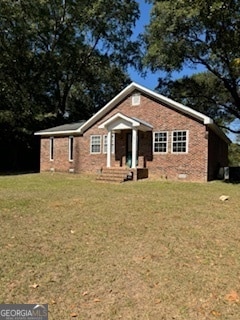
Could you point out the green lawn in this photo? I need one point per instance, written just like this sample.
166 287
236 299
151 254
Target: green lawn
137 250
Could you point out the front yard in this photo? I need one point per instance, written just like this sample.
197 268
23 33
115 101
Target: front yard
136 250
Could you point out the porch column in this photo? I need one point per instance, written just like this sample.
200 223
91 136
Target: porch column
134 147
109 145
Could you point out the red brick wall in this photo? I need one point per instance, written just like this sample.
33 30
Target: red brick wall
60 160
189 166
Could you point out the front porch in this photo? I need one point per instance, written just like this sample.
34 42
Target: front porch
132 146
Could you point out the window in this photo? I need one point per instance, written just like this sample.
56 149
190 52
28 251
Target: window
70 148
105 143
95 144
136 98
179 142
51 148
160 142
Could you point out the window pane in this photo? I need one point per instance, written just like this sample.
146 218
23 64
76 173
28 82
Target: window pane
95 148
179 143
51 148
95 144
160 142
105 143
70 148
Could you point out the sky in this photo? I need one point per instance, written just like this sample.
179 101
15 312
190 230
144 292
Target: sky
151 79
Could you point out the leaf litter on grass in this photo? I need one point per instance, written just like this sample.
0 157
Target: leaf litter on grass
166 250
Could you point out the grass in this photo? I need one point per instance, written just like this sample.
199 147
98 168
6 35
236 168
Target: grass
137 250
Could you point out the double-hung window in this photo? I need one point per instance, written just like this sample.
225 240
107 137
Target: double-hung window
95 144
51 148
179 141
70 148
160 142
105 143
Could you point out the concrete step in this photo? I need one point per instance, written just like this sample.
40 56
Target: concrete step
114 175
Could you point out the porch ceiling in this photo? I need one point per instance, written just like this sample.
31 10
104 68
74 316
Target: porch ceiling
120 121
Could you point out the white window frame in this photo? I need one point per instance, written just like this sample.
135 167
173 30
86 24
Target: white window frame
136 99
92 137
70 148
51 148
163 142
180 141
105 143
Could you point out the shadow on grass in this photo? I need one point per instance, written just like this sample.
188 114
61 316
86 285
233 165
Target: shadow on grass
17 173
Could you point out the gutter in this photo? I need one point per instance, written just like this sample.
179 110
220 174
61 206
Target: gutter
58 133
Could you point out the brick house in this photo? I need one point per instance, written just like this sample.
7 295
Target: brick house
142 132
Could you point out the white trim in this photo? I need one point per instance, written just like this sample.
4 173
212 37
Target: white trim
120 121
133 87
134 147
187 142
152 94
55 133
70 147
109 148
129 121
91 144
167 141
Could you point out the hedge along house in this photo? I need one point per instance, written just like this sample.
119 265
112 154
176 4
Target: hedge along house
142 131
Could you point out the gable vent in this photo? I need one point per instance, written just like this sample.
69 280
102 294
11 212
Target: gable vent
136 99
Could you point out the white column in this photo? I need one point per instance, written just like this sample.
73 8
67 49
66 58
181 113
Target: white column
109 145
134 148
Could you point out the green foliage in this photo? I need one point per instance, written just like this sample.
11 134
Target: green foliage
234 155
61 60
203 92
188 33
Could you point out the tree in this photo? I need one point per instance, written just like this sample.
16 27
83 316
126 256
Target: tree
203 92
60 61
234 155
191 33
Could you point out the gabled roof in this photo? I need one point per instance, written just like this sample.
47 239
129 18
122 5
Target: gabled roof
120 121
152 94
82 127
